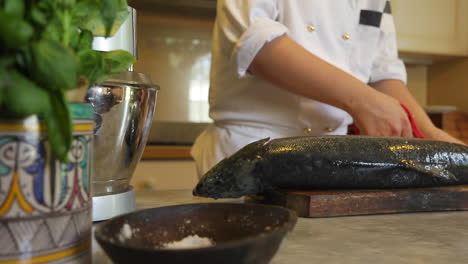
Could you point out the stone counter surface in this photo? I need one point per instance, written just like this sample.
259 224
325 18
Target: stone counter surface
427 238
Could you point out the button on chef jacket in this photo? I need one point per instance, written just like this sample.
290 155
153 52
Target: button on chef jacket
357 36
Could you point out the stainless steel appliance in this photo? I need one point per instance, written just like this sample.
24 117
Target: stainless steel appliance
124 106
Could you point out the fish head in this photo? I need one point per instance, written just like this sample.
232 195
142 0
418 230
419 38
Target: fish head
234 176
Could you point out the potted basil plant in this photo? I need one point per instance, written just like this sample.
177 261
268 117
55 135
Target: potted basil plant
46 140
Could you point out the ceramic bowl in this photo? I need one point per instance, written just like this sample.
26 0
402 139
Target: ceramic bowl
241 233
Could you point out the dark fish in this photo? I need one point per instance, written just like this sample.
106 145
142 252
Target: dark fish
336 162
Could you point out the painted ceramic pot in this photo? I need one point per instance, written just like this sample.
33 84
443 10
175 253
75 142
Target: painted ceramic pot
45 205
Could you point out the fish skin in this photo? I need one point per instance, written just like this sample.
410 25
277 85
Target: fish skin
336 162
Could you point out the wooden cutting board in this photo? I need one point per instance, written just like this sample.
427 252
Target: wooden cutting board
330 203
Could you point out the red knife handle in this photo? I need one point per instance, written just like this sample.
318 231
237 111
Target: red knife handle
416 132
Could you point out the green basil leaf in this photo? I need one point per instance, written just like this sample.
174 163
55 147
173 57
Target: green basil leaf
3 86
21 96
53 30
101 17
59 126
116 62
75 36
23 59
54 67
91 65
14 7
41 13
86 40
121 9
65 4
16 33
2 108
108 14
6 61
86 14
83 9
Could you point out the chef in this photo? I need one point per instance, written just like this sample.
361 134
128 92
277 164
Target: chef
283 68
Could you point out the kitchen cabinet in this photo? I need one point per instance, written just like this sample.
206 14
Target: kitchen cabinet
417 82
434 27
448 84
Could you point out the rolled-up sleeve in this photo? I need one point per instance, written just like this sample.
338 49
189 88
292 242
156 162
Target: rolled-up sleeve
387 64
247 26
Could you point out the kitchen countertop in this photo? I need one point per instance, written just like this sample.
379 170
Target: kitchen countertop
395 238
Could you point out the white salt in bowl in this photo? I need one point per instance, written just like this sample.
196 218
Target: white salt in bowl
197 233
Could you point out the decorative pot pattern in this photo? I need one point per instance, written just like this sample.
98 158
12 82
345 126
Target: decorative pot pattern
45 205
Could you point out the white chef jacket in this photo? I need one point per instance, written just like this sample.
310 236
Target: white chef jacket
357 36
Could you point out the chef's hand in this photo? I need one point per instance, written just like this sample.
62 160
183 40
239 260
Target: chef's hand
381 115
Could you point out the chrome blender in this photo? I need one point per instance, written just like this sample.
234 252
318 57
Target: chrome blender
124 106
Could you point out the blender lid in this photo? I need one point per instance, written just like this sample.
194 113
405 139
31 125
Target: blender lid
133 78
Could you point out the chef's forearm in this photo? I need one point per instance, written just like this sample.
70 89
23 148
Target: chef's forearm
288 65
